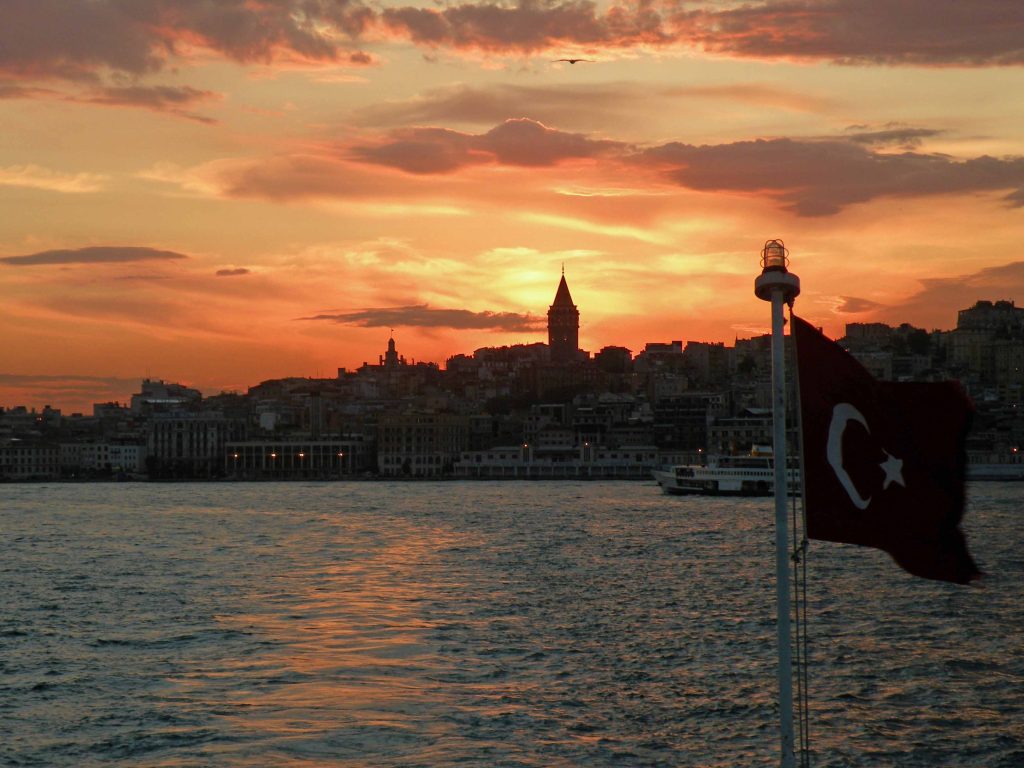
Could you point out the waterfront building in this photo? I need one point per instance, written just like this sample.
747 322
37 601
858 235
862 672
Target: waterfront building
296 459
29 460
420 444
102 458
190 444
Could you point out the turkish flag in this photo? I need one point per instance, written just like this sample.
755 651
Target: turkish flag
884 463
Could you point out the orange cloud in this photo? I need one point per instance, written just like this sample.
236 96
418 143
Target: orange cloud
519 142
937 303
821 177
578 104
80 390
285 178
854 305
37 177
809 177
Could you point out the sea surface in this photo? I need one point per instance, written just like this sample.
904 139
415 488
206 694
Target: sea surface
481 624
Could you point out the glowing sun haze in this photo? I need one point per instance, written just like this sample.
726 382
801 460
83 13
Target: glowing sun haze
223 192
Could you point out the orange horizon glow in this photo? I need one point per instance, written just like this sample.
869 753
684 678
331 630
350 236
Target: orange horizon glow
220 194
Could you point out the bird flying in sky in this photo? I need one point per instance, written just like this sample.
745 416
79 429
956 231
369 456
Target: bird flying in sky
573 61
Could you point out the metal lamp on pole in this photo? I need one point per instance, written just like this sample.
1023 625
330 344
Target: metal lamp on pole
780 286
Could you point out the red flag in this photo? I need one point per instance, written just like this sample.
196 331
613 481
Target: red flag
883 463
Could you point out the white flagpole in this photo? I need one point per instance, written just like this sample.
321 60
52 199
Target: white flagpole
777 285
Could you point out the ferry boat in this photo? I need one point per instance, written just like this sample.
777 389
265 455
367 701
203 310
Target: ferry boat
750 475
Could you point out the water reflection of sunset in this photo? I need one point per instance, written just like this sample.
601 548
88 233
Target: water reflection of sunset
350 637
440 624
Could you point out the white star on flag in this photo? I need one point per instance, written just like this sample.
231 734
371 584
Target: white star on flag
893 471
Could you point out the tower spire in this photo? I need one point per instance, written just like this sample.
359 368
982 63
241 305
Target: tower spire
563 325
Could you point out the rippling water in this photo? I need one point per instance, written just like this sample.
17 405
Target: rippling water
481 624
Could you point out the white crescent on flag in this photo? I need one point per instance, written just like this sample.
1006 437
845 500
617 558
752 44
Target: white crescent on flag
842 414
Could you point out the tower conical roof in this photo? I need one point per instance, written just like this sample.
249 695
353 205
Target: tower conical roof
562 297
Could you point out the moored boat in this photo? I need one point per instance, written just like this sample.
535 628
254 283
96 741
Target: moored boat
751 475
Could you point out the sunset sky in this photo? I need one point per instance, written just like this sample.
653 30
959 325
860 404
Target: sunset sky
218 192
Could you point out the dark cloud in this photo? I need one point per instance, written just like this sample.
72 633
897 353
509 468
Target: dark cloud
86 40
41 38
854 305
360 58
527 25
297 177
92 255
807 176
159 98
232 272
520 142
904 137
15 91
821 177
422 316
424 150
937 303
916 32
78 40
1016 198
20 389
69 380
